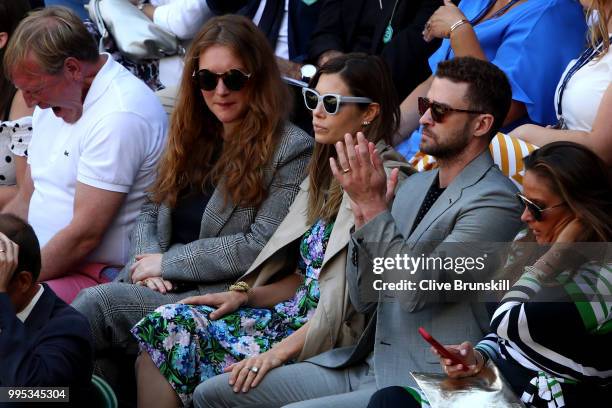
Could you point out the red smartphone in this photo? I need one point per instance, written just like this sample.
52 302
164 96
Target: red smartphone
441 349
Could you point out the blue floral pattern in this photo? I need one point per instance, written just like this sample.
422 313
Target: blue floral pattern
188 348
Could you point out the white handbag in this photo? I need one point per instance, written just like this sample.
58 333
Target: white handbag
136 37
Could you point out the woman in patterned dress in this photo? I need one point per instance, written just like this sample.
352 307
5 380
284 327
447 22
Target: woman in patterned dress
551 333
278 321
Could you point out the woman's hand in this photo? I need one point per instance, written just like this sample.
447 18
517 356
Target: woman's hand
440 22
248 373
157 284
464 351
225 302
146 266
359 170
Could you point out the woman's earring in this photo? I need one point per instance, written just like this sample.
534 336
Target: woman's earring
365 123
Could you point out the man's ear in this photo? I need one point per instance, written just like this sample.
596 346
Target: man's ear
482 124
22 281
73 68
3 39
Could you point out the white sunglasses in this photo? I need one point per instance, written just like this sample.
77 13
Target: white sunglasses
331 102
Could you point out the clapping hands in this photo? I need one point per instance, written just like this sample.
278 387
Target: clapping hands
360 172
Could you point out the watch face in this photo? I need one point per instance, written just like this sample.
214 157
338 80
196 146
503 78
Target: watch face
308 71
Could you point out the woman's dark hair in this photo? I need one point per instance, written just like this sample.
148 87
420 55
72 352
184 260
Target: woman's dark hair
582 180
11 13
22 234
366 76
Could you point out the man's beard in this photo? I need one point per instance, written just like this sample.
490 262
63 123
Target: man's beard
450 147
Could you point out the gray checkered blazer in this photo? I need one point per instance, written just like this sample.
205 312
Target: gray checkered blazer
231 237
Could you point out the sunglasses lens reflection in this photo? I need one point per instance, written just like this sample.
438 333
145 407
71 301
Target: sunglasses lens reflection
330 103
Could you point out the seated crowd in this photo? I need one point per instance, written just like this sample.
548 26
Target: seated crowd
226 254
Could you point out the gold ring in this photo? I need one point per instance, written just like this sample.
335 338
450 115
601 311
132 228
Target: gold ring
347 170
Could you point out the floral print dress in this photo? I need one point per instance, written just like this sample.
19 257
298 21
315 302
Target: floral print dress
188 348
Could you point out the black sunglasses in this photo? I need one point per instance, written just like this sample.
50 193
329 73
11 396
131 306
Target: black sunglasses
439 110
535 210
331 102
234 79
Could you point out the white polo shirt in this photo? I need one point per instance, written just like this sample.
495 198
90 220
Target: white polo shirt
114 146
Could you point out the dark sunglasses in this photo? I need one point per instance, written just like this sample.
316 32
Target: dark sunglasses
234 79
535 210
438 110
331 102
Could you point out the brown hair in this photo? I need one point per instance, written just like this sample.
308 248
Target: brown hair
488 87
582 180
365 76
599 31
195 138
51 34
11 13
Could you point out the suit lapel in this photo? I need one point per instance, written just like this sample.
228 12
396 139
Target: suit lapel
409 212
292 227
216 214
473 172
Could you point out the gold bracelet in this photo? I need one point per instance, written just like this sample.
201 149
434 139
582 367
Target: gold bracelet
457 25
240 287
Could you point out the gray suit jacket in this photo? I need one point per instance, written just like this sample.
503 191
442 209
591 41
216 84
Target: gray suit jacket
477 207
231 236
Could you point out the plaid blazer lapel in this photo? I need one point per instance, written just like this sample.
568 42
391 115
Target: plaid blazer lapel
216 214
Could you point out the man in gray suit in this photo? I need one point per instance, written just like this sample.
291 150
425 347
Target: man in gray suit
463 206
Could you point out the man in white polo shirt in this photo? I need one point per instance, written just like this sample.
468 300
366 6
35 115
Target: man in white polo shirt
98 134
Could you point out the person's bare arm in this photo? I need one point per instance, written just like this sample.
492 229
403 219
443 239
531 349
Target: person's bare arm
20 203
94 211
270 295
265 296
598 139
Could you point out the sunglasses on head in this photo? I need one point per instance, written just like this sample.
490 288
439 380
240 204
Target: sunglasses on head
234 79
439 110
331 102
534 209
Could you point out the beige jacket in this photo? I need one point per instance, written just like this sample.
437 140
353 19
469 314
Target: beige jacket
335 322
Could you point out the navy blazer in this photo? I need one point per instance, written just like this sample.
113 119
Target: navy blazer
53 347
302 20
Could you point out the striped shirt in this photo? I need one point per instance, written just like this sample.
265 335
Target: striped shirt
563 333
